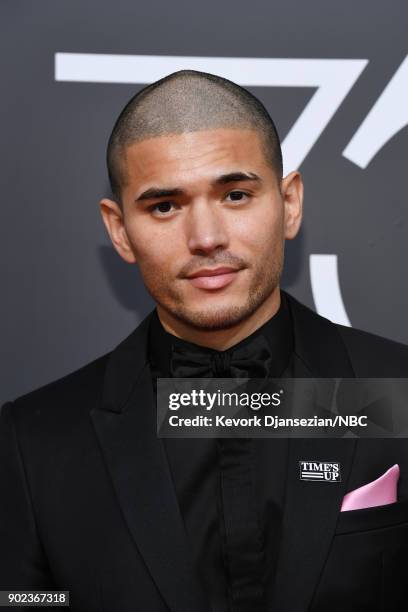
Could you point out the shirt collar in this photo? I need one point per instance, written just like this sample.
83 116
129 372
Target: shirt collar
277 331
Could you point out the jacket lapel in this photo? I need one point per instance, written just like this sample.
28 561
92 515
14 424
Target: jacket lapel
311 508
126 428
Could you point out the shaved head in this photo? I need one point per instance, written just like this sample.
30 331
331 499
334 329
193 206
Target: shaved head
188 101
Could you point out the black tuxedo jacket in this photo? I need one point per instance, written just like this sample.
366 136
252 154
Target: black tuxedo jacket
87 503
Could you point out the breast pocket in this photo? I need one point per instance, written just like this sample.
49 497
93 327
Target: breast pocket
366 519
364 567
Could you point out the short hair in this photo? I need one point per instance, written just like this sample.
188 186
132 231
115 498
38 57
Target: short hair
188 101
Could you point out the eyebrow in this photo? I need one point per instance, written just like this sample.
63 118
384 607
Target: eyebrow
223 179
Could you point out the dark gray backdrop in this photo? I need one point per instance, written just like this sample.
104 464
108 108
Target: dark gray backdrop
67 297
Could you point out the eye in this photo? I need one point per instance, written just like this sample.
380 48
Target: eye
162 209
238 196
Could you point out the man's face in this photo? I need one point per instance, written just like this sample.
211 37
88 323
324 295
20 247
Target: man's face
205 219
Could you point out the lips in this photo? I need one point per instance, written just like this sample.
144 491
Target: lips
215 278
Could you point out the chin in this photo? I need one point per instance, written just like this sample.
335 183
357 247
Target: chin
213 319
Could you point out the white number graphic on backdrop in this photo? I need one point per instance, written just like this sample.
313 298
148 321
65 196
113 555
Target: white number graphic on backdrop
386 118
332 78
324 278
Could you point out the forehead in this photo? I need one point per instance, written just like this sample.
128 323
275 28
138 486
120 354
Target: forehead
194 156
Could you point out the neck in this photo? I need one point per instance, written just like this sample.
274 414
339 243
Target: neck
222 339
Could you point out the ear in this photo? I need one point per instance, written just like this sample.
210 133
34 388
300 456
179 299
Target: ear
113 219
292 195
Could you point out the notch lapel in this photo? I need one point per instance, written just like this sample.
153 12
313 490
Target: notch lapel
311 508
126 428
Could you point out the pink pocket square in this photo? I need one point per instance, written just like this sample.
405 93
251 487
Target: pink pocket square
376 493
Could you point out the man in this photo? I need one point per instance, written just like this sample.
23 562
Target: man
95 503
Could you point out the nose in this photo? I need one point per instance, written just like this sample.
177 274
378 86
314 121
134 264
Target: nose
206 231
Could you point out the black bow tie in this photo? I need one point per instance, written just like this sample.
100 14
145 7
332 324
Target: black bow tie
253 360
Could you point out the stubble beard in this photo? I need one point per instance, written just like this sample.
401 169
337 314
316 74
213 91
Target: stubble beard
265 280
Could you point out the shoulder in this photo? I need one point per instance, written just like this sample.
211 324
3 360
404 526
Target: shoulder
70 399
373 355
77 392
370 355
